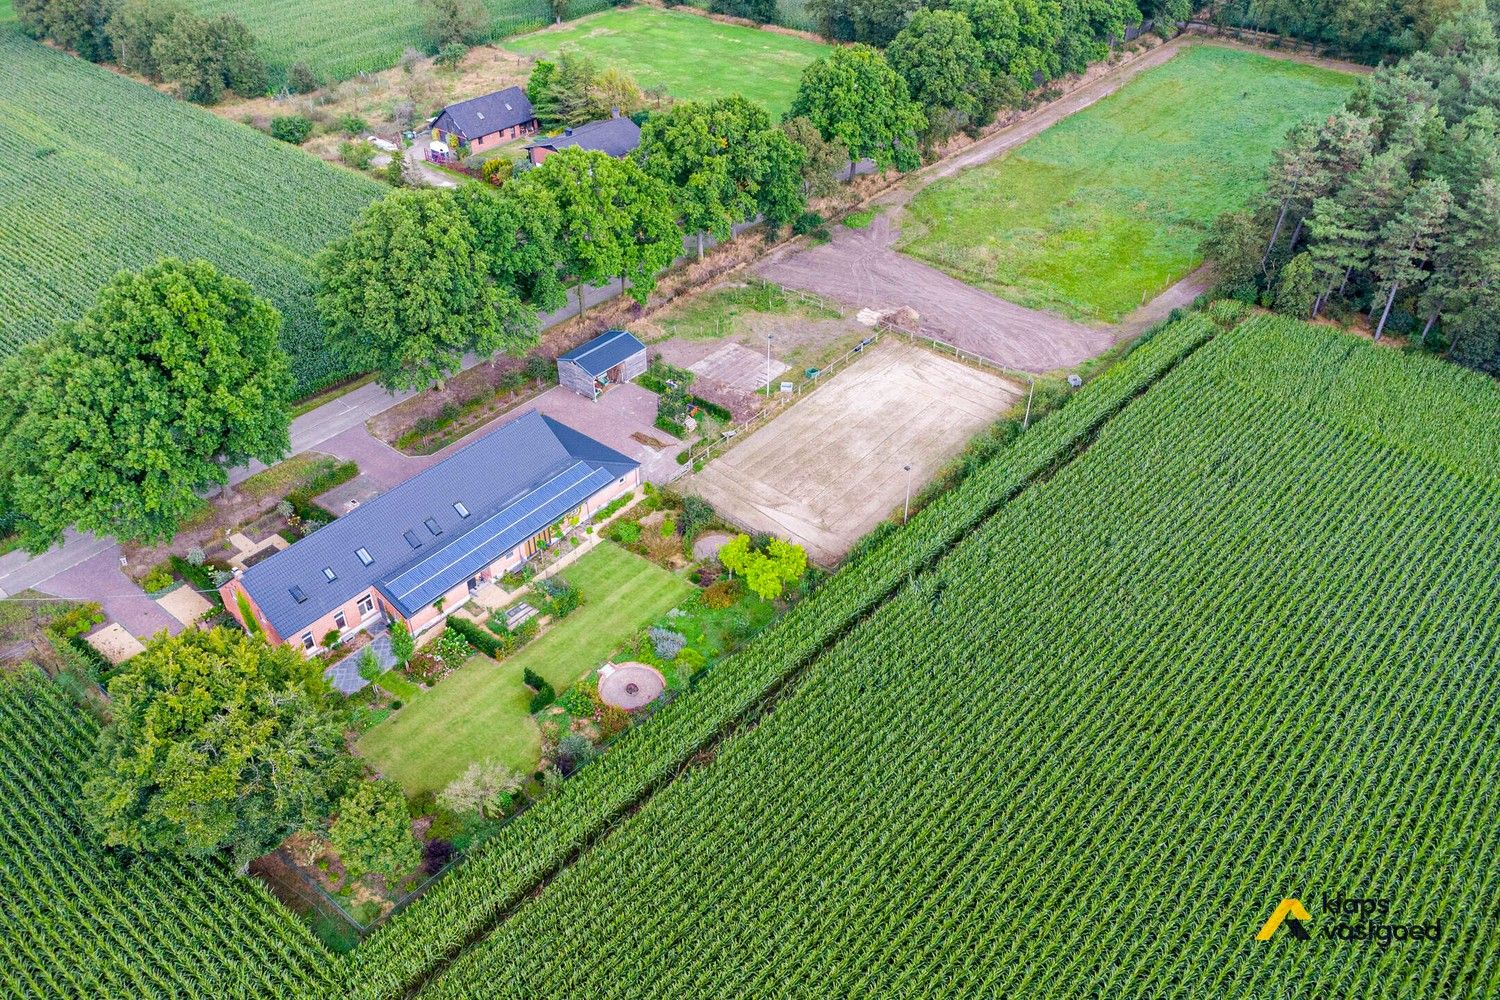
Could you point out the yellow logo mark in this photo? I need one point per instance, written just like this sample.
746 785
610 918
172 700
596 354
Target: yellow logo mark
1293 913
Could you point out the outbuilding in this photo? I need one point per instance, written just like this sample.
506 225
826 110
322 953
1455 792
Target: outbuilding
615 136
609 359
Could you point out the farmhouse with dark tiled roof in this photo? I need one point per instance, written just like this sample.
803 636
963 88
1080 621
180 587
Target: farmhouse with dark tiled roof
484 122
617 137
416 553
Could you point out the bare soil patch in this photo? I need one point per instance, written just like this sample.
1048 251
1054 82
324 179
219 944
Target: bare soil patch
833 465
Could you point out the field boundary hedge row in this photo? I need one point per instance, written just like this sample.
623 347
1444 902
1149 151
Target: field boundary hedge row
460 909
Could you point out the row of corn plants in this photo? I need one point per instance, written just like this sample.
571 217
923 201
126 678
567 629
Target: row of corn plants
103 174
81 921
1236 651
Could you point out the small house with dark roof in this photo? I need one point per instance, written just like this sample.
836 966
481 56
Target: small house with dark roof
417 552
609 359
617 137
485 122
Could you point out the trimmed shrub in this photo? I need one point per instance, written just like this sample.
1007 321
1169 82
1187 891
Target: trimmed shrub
543 697
626 533
477 637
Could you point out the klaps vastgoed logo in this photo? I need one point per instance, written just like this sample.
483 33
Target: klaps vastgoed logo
1348 919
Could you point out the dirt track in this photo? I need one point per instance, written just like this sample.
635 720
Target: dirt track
861 268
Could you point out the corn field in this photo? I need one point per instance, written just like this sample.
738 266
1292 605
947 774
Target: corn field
83 922
103 174
523 853
339 39
1243 647
1220 630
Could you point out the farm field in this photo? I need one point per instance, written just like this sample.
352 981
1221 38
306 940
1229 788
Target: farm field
1107 208
340 39
1241 648
482 710
82 923
104 174
799 478
691 56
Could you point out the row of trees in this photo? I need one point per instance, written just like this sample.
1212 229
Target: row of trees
1391 205
159 39
1031 40
427 276
1367 29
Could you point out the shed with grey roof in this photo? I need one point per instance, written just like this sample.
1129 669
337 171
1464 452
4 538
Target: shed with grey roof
612 358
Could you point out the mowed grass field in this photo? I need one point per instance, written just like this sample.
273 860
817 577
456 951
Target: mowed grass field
341 38
480 712
1107 208
691 56
1243 647
103 174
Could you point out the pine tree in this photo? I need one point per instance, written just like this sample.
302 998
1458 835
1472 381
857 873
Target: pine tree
1407 241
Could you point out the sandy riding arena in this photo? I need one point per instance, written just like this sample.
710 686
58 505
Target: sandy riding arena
832 466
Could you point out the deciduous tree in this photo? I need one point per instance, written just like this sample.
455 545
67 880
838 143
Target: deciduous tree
854 96
216 741
409 292
372 832
116 423
614 220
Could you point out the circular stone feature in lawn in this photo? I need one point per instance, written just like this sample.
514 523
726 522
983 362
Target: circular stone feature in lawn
630 685
709 544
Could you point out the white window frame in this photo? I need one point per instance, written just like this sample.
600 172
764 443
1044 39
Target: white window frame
366 605
339 621
308 642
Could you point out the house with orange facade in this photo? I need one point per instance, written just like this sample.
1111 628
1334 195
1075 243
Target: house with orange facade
418 552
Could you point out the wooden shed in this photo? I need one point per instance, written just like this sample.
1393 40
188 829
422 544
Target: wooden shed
609 359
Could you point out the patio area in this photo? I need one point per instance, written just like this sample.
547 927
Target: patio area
344 676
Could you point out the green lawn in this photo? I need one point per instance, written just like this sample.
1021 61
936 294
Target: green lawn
691 56
480 711
1107 208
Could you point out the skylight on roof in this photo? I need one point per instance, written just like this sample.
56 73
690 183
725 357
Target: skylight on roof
462 510
432 526
298 594
364 555
412 539
480 115
329 574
